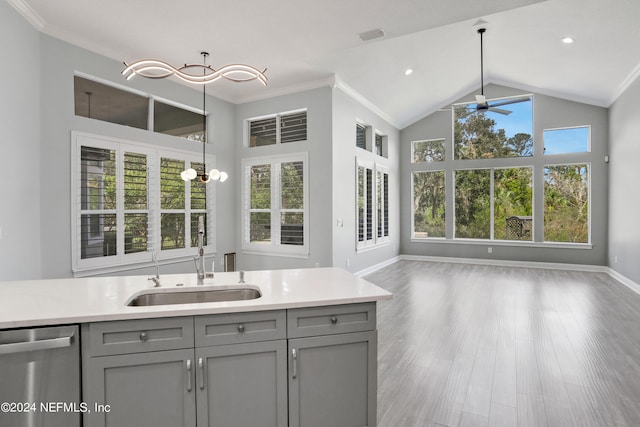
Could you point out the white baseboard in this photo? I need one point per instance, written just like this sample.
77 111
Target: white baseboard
505 263
624 280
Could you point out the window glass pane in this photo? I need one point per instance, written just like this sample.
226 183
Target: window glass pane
293 127
361 203
97 235
262 132
194 229
292 228
428 151
378 143
379 205
198 189
473 204
428 204
386 204
570 140
361 137
97 178
260 227
512 204
566 203
98 101
369 209
261 187
135 181
135 232
502 131
177 121
292 185
172 187
172 230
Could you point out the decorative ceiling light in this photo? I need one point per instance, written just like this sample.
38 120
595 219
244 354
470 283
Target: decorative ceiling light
155 69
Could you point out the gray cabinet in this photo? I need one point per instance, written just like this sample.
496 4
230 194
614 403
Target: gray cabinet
133 369
333 375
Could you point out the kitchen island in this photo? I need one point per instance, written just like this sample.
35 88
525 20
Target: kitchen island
303 353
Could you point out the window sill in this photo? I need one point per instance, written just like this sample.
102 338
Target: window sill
372 247
272 252
118 268
514 243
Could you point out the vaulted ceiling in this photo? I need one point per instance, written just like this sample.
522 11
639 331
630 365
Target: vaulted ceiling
307 43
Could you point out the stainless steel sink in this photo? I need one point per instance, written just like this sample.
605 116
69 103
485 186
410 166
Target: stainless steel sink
191 297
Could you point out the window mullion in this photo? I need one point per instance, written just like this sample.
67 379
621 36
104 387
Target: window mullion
276 193
119 202
491 204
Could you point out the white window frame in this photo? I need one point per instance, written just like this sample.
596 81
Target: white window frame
122 261
277 116
375 241
274 247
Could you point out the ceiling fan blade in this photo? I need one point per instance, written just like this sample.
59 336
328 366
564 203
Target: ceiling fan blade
510 101
500 111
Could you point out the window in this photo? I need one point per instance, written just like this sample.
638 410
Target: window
494 133
431 150
494 203
566 203
361 136
428 204
372 206
124 107
129 199
278 129
275 205
567 140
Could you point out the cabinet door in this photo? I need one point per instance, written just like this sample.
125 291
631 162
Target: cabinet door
242 385
333 380
143 390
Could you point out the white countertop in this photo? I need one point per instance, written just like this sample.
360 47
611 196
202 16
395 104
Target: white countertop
61 301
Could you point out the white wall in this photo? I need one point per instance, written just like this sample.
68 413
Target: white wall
346 113
624 195
548 113
19 147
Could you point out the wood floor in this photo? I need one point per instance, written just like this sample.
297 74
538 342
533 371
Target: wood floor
473 345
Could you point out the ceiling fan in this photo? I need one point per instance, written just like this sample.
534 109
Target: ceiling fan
481 101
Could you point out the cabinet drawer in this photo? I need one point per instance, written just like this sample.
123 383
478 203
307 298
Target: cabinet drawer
236 328
133 336
335 319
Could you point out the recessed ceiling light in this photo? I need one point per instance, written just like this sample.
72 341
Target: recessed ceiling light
408 71
567 40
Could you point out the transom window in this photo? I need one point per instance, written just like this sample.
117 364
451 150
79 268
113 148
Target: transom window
280 128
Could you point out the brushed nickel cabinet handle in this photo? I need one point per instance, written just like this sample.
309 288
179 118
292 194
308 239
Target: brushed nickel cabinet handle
189 385
201 372
334 320
241 328
144 336
294 357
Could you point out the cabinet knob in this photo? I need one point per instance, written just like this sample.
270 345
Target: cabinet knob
241 328
143 336
334 320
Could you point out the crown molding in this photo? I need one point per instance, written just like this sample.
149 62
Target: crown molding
628 81
356 96
28 13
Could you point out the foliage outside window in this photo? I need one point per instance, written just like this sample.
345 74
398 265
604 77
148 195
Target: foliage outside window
372 204
117 185
566 203
566 140
276 206
428 204
494 204
487 134
431 150
280 128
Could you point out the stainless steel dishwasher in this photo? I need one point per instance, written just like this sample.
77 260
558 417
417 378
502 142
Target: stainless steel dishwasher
40 377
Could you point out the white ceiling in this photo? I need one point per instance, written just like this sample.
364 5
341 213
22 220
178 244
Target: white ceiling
305 43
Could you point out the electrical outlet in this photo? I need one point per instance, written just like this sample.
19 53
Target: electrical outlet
490 250
615 259
317 265
348 262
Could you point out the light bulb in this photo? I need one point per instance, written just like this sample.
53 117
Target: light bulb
223 176
184 176
214 174
191 173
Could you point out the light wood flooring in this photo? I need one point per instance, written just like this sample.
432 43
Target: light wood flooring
474 345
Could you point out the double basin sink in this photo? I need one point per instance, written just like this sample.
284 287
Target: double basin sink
165 296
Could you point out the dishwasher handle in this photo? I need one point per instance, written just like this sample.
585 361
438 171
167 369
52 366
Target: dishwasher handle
48 344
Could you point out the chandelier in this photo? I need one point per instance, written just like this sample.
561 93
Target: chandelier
154 69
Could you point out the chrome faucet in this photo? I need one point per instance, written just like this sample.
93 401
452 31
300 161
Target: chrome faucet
156 279
199 259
